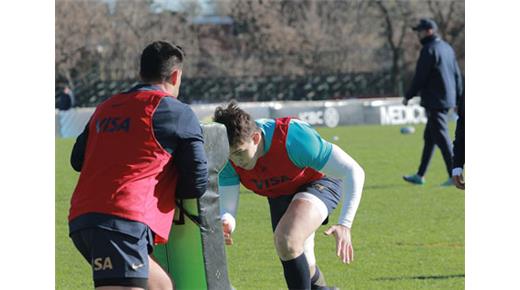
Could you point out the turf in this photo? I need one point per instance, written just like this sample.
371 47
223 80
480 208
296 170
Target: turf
404 236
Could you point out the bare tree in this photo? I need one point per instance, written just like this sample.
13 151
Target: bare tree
397 17
301 37
449 15
254 38
78 27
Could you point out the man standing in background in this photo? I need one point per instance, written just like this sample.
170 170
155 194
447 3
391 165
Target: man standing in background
439 82
66 100
64 104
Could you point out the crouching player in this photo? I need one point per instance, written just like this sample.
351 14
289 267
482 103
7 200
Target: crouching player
303 178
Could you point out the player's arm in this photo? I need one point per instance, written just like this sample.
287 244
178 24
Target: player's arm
341 165
78 151
229 188
423 69
309 149
344 167
178 130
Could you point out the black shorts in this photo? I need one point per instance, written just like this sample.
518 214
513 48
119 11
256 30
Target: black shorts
117 259
327 189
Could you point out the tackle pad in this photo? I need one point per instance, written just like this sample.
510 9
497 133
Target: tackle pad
195 256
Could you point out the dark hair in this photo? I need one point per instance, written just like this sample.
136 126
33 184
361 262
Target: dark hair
239 124
159 59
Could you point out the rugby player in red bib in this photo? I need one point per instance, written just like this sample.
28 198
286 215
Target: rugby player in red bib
303 178
140 150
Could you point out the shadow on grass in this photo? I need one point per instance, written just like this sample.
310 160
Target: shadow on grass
433 277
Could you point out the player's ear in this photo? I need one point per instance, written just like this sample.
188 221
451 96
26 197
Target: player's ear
257 136
176 76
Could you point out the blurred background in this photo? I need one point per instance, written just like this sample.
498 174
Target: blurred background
331 63
278 50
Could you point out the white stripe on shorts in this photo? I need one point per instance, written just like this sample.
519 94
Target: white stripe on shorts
318 203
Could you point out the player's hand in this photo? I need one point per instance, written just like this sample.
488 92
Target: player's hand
228 226
405 101
227 233
458 180
344 248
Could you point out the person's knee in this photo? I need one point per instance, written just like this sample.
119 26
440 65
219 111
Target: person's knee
287 246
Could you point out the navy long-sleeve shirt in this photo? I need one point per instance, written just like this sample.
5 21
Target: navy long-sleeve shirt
178 131
437 75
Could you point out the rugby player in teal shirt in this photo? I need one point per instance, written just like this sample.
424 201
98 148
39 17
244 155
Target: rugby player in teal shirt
303 177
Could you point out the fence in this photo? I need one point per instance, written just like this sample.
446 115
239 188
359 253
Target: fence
382 111
91 90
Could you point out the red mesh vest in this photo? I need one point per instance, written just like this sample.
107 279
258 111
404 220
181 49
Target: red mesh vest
274 173
125 171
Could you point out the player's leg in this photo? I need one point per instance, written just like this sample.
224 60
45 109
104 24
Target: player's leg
325 194
298 269
118 260
294 231
441 136
429 146
317 277
301 219
158 279
299 222
426 156
308 250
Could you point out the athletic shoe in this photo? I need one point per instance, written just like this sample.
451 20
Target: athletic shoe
414 179
325 288
448 182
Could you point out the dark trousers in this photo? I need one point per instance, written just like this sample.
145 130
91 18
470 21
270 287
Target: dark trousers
436 133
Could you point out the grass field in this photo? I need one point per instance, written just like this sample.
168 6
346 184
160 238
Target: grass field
404 236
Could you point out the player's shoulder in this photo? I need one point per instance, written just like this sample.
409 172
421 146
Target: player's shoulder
266 125
298 122
300 133
265 122
300 127
173 105
174 102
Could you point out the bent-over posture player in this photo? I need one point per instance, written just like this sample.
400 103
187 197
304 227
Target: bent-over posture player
303 178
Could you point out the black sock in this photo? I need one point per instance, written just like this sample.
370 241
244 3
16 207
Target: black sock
318 280
296 272
316 275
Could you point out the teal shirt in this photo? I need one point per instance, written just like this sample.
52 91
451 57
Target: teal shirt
304 145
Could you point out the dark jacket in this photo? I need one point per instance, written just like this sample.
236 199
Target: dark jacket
437 76
459 143
65 102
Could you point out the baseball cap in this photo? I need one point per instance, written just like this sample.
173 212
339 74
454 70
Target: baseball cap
425 24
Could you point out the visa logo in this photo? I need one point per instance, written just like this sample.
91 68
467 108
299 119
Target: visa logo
112 124
266 183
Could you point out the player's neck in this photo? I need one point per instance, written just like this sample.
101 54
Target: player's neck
261 146
165 87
